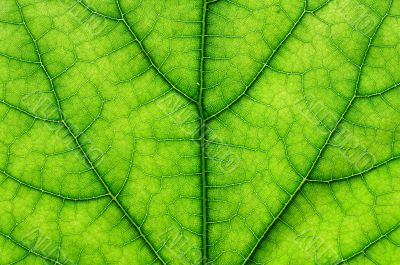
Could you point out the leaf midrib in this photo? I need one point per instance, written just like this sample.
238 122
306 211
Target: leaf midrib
203 128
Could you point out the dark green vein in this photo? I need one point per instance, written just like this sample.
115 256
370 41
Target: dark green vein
369 245
94 12
8 237
366 171
148 56
266 64
27 113
53 194
377 94
323 148
110 193
10 57
203 132
83 151
140 43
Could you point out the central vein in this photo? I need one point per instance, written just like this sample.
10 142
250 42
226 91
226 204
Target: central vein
203 137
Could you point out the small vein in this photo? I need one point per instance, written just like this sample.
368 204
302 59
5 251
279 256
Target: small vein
53 194
377 166
10 57
372 243
377 94
331 134
266 64
109 192
33 116
83 152
97 13
13 240
148 56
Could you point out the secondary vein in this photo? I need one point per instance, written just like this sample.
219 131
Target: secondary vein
323 148
80 146
149 58
267 62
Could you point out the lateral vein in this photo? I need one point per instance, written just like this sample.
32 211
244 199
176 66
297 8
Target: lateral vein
323 148
82 150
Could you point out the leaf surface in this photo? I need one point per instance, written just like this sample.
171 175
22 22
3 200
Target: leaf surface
200 132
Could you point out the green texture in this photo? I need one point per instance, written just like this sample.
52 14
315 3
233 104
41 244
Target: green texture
200 132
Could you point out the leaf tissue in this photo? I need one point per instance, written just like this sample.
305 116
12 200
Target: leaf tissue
211 132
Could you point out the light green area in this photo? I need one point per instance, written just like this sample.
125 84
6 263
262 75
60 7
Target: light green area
191 132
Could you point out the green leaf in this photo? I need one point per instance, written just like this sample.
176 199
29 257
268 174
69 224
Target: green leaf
200 132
